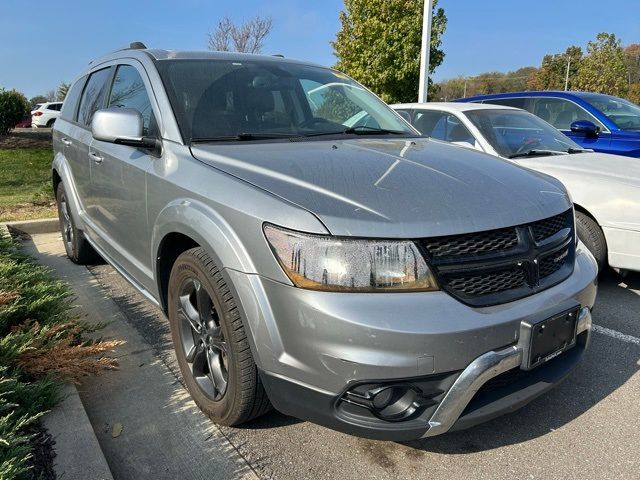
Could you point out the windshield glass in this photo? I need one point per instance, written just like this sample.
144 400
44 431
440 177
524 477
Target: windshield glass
514 132
249 100
623 113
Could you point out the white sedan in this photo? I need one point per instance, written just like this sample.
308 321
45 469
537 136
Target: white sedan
605 188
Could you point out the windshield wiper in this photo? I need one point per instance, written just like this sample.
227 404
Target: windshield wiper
534 153
579 150
242 136
358 130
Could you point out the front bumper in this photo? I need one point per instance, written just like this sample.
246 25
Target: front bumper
313 347
465 404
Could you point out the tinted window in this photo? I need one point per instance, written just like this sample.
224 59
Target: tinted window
218 99
128 91
508 102
425 122
93 96
442 126
70 104
52 107
561 113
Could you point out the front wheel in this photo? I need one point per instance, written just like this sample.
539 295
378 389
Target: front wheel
590 233
211 344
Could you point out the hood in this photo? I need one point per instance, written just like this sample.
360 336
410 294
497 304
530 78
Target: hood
598 166
373 187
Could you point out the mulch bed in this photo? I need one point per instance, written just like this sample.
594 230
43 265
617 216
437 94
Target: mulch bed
42 460
26 138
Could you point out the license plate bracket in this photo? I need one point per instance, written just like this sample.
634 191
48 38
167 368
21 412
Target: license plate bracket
551 337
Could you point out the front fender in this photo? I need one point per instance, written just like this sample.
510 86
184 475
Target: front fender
206 227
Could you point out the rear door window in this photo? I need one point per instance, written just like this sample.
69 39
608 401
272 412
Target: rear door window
93 97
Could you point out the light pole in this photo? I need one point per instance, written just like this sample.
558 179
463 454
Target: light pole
424 53
566 78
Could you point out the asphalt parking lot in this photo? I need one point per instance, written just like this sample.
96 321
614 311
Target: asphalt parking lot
588 427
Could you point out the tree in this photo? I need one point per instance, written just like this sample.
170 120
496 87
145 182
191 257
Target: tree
379 45
632 60
37 99
552 74
604 70
50 96
247 37
13 106
634 93
62 91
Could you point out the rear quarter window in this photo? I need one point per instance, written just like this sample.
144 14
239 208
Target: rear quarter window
70 105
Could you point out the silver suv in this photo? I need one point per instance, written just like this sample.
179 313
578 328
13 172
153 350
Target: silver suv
352 274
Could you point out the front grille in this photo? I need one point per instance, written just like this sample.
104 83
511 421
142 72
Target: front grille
484 284
546 228
472 244
498 266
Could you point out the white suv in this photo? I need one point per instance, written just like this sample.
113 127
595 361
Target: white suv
45 114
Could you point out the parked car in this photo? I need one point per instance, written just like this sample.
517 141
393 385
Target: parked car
25 122
605 188
600 122
45 114
363 278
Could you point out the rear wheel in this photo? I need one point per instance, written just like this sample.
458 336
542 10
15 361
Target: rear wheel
51 122
590 233
210 341
77 248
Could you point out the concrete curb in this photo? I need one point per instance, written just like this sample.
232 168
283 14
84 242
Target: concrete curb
78 453
34 227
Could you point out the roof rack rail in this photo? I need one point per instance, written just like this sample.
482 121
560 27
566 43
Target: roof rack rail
278 55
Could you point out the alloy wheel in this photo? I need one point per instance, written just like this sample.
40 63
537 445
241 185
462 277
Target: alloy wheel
202 339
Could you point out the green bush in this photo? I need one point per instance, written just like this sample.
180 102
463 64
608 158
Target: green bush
42 345
13 106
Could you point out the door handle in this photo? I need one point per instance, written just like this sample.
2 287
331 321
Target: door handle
96 157
65 141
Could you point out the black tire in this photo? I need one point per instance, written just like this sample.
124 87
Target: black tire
590 233
78 249
198 290
51 122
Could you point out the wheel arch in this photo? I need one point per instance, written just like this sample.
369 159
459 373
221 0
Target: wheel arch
186 224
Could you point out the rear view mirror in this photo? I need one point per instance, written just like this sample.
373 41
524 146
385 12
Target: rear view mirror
404 114
123 126
586 128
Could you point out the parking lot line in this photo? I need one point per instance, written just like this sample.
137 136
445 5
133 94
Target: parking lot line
617 335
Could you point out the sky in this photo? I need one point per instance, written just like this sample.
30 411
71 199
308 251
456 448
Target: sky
44 43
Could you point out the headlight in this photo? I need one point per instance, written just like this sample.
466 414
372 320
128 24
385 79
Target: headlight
326 263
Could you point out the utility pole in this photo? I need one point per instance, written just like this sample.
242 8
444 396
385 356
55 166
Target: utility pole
464 94
426 48
566 78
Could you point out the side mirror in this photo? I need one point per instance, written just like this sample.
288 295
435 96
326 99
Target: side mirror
586 128
122 126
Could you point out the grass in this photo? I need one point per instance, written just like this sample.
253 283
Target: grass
42 345
25 184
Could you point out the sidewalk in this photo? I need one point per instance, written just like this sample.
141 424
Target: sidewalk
164 434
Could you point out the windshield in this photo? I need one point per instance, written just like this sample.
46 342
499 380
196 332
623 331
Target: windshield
515 132
623 113
249 100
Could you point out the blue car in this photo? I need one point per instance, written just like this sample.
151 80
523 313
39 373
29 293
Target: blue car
600 122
